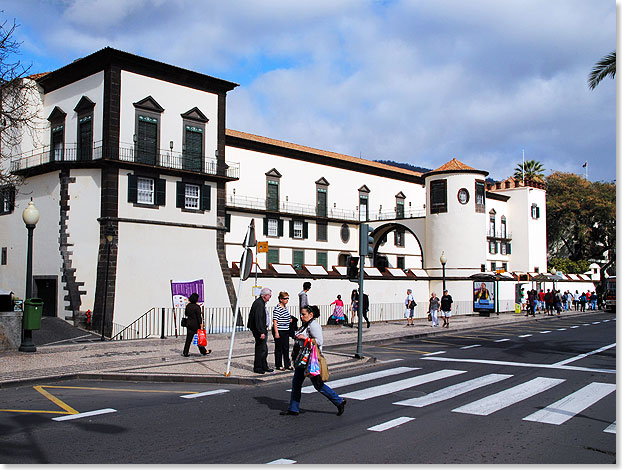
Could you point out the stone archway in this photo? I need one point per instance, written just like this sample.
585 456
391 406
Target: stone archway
382 229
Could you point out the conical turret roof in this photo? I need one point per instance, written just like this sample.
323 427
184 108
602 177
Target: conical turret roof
455 166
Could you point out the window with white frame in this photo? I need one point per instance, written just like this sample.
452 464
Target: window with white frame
297 228
503 248
273 228
145 190
192 196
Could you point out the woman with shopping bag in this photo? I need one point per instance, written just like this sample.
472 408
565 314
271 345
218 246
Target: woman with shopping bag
194 323
308 346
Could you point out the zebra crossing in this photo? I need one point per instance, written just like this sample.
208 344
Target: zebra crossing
556 413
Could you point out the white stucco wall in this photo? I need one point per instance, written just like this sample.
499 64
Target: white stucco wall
460 232
176 100
83 229
150 256
501 209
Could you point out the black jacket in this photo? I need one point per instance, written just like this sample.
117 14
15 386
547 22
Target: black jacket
446 302
193 312
257 317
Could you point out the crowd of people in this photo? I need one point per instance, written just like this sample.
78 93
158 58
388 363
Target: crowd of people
555 300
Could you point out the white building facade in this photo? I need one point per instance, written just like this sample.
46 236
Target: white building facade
139 183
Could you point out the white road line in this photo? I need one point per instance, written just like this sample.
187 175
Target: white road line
505 398
581 356
502 340
544 332
561 329
595 323
586 324
521 364
66 340
362 378
605 321
525 336
204 394
453 390
575 326
281 461
84 415
391 387
471 346
390 360
390 424
434 353
611 428
564 409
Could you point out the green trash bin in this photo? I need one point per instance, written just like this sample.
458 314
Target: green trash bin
33 309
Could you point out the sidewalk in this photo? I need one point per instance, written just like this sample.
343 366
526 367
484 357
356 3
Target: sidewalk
161 360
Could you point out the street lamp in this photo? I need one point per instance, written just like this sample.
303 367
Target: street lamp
443 260
31 217
109 238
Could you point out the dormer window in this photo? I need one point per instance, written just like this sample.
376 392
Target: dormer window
57 136
147 131
193 142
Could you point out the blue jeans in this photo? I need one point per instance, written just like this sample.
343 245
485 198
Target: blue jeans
299 378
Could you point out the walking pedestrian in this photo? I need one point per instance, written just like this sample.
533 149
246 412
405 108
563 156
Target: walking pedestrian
310 328
410 308
338 314
258 321
532 300
365 308
280 329
446 302
577 300
354 301
303 298
433 310
194 320
548 301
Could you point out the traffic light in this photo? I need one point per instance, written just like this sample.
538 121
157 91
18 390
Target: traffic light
353 268
366 245
523 278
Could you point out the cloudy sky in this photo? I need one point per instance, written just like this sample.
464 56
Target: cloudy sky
418 81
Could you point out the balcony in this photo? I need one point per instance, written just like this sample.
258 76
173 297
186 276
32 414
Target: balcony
261 204
499 234
393 215
127 153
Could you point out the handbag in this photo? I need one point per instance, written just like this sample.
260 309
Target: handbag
303 356
313 366
323 366
184 321
429 317
407 313
202 338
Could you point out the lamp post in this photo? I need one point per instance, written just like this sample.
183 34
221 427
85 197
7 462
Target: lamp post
443 260
31 217
109 238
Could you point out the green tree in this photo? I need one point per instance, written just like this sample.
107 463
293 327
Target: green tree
605 67
581 218
568 266
534 171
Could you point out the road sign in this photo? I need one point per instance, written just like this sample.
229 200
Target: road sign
246 264
262 247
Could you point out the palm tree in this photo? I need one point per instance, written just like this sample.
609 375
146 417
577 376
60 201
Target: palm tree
606 67
534 171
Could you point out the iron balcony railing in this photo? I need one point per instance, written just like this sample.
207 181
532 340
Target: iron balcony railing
395 215
127 153
262 204
500 234
166 321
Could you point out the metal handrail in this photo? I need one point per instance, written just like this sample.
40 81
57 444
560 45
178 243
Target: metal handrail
257 203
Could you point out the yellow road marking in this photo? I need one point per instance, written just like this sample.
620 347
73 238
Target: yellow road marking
437 342
39 411
404 350
117 389
53 399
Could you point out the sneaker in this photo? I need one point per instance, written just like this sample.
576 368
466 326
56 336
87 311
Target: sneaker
289 413
341 406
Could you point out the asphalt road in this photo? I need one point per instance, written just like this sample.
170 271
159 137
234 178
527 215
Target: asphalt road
537 392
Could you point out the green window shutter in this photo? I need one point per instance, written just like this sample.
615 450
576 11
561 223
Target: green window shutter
206 192
291 228
322 259
132 188
11 197
181 194
305 230
280 227
537 212
265 226
228 222
509 248
298 259
272 256
160 196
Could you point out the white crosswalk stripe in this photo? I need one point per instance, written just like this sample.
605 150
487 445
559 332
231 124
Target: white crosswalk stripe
611 428
390 424
393 387
505 398
564 409
362 378
471 346
453 390
525 336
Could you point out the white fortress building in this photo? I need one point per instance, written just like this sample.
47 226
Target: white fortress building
137 152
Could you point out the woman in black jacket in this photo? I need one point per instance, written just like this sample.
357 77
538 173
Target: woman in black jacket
194 322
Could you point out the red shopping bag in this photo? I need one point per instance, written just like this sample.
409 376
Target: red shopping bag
202 338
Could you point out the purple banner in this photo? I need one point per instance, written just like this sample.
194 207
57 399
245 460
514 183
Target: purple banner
181 291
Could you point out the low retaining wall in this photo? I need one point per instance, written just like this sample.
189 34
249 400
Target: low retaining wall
10 330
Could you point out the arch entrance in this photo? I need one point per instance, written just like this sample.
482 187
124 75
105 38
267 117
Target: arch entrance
414 226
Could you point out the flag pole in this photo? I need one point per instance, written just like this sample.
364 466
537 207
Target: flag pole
247 239
523 167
